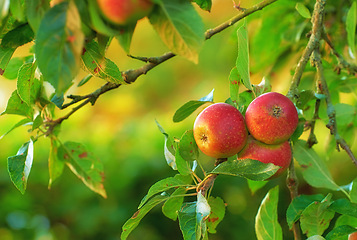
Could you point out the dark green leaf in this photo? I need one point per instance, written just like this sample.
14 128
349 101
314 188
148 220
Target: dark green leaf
266 221
346 220
166 184
28 87
84 165
97 22
134 221
5 56
100 66
173 204
37 122
125 36
305 97
188 108
218 209
248 168
351 28
58 99
340 231
315 218
35 10
19 166
299 130
22 122
303 10
343 206
188 147
204 4
242 62
59 45
18 37
245 98
55 165
179 26
314 170
353 192
298 205
16 106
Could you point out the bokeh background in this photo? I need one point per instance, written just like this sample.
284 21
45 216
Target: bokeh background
120 130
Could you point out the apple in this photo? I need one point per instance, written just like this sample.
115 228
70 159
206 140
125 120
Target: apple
352 236
220 131
271 118
277 154
124 12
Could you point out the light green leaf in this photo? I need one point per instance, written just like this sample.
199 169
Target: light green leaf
183 166
316 218
18 107
248 168
28 87
255 185
59 45
187 146
35 10
314 170
303 10
134 221
22 122
351 28
218 209
179 26
267 226
55 165
5 56
173 204
242 62
316 237
19 166
84 165
343 206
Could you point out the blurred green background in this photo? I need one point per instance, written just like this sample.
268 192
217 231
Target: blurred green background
120 130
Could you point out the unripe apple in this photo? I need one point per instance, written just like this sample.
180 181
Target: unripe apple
125 12
220 131
352 236
277 154
271 118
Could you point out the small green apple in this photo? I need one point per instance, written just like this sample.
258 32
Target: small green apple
271 118
124 12
277 154
220 131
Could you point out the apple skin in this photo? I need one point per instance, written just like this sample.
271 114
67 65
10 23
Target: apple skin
124 12
352 236
277 154
220 131
271 118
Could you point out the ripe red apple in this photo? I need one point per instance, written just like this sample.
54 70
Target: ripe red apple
352 236
125 12
277 154
271 118
220 131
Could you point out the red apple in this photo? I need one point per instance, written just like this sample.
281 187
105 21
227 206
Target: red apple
220 131
352 236
271 118
125 12
277 154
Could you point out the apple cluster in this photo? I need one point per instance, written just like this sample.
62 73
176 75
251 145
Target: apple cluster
221 131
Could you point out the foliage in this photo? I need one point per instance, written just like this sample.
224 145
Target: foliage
67 37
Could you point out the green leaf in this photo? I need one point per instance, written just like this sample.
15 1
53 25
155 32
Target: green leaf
204 4
248 168
28 87
203 210
166 184
169 148
22 122
346 220
242 62
340 231
173 204
234 80
84 80
298 205
97 22
187 146
353 192
316 218
125 36
316 237
84 165
179 26
263 87
37 122
134 221
17 37
314 170
55 165
303 10
35 10
255 185
19 166
5 56
59 45
18 107
351 28
218 209
182 165
343 206
188 108
13 67
100 66
16 8
266 221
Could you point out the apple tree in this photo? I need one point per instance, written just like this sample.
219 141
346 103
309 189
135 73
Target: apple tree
68 36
